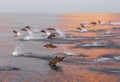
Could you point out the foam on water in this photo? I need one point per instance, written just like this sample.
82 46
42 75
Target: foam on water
83 30
36 36
29 37
117 58
96 38
99 44
117 37
70 53
114 23
102 59
94 44
17 52
62 34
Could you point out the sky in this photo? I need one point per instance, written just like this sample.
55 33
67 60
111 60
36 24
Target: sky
60 6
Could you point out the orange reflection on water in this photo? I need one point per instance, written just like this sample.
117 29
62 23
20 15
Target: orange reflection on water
72 21
79 73
95 53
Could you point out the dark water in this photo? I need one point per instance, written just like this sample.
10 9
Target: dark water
92 56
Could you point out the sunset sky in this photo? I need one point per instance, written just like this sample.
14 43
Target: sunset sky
60 6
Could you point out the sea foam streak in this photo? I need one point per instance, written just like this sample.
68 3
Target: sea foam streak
17 52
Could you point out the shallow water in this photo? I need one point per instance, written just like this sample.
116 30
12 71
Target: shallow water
92 56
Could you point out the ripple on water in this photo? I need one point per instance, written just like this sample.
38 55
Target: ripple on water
102 59
108 57
106 70
9 68
98 45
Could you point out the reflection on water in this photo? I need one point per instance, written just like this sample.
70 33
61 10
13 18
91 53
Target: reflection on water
56 68
90 56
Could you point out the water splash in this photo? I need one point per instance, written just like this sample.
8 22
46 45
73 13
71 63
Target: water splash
61 33
101 59
117 58
17 52
29 37
70 53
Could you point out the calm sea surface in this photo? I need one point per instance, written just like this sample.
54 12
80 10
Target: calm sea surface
92 56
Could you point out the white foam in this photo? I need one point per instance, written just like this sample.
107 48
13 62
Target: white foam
101 59
70 54
29 37
93 44
83 30
108 32
114 23
102 23
61 33
17 51
42 36
118 37
57 32
96 38
18 34
117 58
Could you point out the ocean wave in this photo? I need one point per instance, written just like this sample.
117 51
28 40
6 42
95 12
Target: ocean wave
106 70
98 45
56 40
67 59
108 57
117 58
73 54
102 59
9 68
